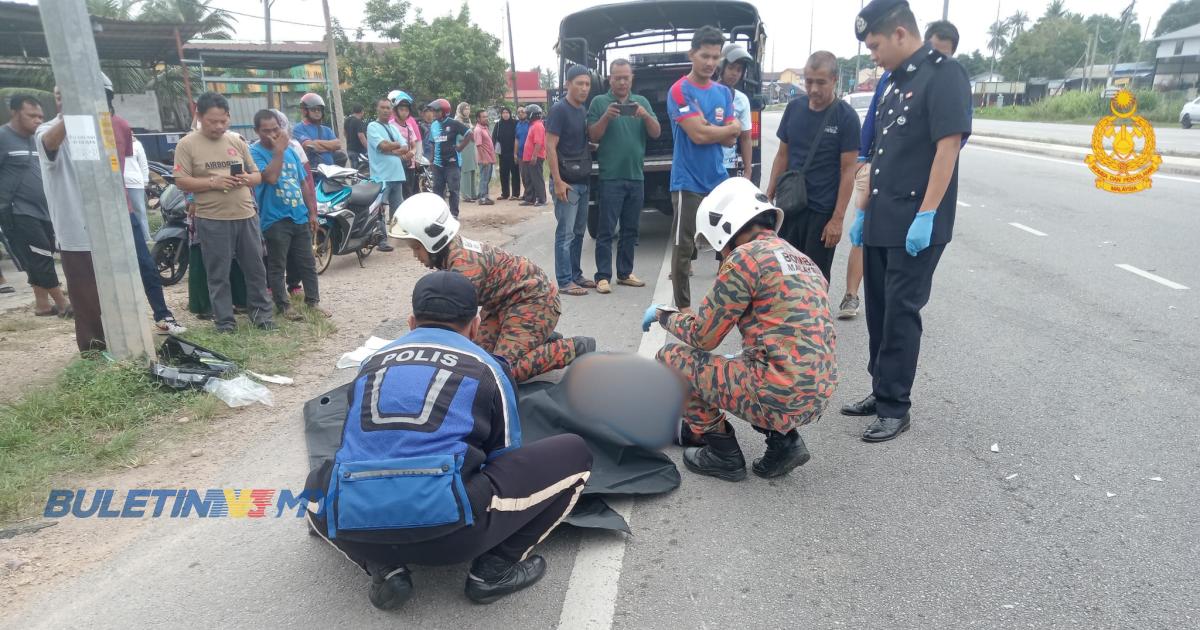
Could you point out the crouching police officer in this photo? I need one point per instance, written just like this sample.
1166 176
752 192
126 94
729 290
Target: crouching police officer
519 306
787 371
431 469
921 120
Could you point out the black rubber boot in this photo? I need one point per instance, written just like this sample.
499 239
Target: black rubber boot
784 452
390 588
721 457
583 345
493 577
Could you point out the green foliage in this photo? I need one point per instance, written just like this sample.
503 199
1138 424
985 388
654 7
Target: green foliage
214 23
1089 107
974 63
1049 49
46 98
419 64
547 79
1180 15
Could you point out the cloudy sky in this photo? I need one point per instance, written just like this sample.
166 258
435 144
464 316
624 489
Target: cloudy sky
535 22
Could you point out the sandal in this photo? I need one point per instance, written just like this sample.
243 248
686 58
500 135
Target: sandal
573 289
7 288
585 283
52 312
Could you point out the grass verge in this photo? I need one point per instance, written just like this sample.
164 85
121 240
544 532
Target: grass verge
1088 108
99 415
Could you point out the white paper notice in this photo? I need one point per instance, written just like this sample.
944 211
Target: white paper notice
81 131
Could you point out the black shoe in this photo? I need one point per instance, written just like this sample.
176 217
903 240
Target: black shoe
384 247
864 407
721 457
267 326
554 336
390 588
686 437
226 330
493 577
884 429
784 452
584 345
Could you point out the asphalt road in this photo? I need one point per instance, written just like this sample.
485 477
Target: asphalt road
1080 371
1170 139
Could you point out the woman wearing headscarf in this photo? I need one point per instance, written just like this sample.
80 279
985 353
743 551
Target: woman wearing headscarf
510 173
469 185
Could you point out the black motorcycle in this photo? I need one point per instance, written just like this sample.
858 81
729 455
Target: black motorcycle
172 242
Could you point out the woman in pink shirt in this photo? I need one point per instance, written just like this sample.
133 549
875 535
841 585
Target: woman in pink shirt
485 156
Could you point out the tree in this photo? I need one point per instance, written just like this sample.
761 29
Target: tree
476 74
1017 22
1181 14
386 17
998 37
974 63
1055 10
214 23
547 79
1049 49
1109 29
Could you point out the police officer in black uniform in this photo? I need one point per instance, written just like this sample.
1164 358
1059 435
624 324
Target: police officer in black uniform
921 120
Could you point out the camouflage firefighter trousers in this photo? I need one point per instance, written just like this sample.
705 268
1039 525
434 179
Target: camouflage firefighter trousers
519 335
717 383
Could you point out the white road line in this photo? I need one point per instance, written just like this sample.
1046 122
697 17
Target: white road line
1027 229
964 204
592 591
1079 163
1149 276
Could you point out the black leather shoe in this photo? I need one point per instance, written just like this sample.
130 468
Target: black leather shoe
390 588
492 577
784 452
884 429
864 407
721 457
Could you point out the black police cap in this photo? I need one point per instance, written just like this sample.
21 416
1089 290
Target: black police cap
872 13
444 296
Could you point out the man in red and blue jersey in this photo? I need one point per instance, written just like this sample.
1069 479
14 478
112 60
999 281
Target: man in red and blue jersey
702 122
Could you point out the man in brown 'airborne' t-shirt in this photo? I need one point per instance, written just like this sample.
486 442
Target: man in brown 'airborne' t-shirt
217 168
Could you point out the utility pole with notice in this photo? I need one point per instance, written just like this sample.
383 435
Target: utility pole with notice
94 155
270 74
334 79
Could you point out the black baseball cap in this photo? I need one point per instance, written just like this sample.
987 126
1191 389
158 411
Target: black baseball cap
444 296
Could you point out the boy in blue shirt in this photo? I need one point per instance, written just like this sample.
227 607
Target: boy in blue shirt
286 216
702 122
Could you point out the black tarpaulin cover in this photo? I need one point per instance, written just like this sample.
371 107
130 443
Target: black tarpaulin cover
618 469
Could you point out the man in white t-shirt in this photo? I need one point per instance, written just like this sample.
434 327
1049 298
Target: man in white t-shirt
734 62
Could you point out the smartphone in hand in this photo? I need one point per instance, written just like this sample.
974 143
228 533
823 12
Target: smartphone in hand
628 109
235 169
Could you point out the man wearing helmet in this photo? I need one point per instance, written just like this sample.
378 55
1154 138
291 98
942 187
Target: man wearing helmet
734 62
317 139
449 137
786 373
519 305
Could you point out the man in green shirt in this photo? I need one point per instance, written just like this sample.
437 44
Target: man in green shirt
620 121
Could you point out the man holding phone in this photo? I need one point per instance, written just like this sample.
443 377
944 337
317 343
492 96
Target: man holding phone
620 122
218 169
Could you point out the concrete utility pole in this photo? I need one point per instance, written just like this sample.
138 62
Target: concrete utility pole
1126 16
94 155
512 58
267 20
858 57
946 10
335 88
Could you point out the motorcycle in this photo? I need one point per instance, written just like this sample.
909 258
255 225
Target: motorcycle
160 177
349 215
424 173
171 242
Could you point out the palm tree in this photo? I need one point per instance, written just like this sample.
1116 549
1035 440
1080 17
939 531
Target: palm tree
1017 22
998 34
214 23
1055 10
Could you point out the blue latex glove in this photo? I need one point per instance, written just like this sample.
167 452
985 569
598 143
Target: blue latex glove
919 232
856 229
649 317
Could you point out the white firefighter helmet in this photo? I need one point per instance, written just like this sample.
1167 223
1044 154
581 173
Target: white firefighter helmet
728 208
426 218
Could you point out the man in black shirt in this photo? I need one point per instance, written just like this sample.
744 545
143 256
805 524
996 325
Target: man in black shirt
24 213
810 125
356 135
921 120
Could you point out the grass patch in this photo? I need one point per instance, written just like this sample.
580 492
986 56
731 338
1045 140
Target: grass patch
97 414
1088 108
14 324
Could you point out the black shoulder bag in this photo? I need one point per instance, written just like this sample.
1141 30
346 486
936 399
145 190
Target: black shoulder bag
791 192
576 169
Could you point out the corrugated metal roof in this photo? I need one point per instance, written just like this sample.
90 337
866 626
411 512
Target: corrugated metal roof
21 35
1191 32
